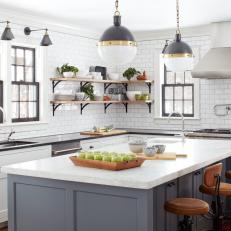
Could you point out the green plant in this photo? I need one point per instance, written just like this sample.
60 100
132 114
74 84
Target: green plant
67 68
88 89
130 73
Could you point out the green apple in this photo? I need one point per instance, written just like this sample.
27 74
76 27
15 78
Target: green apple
107 158
116 158
98 157
89 156
82 155
125 158
131 157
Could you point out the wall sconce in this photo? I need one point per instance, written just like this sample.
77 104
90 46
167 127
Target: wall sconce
46 41
7 33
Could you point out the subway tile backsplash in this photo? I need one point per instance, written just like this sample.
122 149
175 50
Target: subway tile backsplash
83 53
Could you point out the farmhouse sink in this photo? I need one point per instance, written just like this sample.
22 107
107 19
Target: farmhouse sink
13 143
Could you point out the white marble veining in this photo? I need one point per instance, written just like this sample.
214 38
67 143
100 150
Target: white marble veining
201 152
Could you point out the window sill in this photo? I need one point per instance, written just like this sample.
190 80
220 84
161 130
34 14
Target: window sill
24 123
177 118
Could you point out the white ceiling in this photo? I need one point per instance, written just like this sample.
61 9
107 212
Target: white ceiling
137 15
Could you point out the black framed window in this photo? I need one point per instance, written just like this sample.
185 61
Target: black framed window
25 89
177 93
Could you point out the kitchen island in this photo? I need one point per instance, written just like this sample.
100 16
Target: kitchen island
53 194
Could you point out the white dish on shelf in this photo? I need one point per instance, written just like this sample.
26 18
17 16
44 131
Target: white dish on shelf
114 76
80 96
68 74
131 95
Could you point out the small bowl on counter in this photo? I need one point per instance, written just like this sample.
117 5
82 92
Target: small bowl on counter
137 146
150 150
160 148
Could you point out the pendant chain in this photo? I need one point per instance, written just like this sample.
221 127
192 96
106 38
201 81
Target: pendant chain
117 7
177 17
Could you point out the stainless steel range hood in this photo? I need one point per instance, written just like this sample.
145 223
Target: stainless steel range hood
216 64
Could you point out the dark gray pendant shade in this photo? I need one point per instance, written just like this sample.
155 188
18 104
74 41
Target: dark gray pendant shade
117 32
178 48
7 33
46 41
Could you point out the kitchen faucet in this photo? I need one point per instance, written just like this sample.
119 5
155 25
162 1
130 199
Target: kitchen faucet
181 115
10 134
3 114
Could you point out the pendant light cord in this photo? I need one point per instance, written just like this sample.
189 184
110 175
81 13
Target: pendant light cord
117 8
177 17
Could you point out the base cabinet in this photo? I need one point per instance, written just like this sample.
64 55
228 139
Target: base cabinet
12 157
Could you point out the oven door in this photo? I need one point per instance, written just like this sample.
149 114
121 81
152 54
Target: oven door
65 148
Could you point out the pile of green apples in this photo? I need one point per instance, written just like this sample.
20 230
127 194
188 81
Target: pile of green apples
106 156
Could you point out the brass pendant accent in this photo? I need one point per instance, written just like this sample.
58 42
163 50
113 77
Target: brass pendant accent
117 43
179 55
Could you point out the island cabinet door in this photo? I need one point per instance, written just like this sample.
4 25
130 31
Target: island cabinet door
164 221
186 189
201 222
228 168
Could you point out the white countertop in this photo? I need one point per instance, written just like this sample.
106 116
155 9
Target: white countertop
201 152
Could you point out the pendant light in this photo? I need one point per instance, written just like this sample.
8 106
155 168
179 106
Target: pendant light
7 33
178 55
46 41
117 44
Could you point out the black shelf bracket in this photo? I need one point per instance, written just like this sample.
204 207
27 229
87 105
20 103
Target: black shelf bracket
54 84
106 105
149 107
55 106
126 107
149 87
82 106
83 84
106 86
125 86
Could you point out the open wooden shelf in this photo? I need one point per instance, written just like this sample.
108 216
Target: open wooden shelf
83 104
107 83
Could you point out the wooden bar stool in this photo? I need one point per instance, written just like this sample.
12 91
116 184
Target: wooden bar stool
187 207
228 174
213 186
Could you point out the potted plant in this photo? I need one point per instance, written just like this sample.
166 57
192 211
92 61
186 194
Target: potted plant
130 73
88 89
67 71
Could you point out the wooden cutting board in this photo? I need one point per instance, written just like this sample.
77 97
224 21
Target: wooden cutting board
163 156
112 132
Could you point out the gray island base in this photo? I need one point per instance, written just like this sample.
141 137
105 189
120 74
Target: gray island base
54 195
53 205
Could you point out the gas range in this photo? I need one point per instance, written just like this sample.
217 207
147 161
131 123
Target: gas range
213 133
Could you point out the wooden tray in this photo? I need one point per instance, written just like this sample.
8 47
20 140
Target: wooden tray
112 132
164 156
107 165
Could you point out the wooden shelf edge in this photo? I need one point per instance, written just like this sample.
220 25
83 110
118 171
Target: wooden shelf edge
99 102
100 81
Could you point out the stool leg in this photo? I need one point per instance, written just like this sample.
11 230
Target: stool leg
186 224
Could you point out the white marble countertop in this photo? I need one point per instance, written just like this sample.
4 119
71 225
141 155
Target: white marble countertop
201 152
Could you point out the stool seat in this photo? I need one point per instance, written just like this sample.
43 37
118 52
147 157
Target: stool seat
228 174
187 206
224 190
